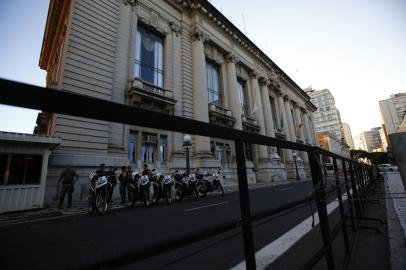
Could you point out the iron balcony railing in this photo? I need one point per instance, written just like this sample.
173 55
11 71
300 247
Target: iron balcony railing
358 178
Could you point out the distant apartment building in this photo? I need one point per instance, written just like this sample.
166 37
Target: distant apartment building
369 141
330 142
348 135
393 110
327 117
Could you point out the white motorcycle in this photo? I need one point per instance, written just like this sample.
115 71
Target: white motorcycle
99 187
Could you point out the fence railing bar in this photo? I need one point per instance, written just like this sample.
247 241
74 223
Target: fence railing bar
63 102
249 248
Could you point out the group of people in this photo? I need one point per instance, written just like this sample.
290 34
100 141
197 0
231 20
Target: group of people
69 177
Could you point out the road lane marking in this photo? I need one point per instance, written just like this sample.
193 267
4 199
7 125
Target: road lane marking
269 253
205 206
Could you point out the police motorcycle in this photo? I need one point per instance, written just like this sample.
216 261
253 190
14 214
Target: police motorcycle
133 189
99 188
185 185
209 182
157 185
167 187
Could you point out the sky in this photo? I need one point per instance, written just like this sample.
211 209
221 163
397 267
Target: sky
354 48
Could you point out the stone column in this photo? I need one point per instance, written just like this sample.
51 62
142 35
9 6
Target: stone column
290 120
313 131
268 118
234 99
266 105
173 58
284 126
307 127
200 93
259 114
299 123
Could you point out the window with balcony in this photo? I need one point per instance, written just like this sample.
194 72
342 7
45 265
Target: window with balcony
242 93
213 83
149 57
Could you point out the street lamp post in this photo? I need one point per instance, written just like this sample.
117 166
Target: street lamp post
297 172
187 143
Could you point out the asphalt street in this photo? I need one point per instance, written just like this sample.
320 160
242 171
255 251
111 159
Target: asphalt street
71 242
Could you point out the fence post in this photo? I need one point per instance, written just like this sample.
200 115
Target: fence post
246 225
341 204
317 178
350 197
355 188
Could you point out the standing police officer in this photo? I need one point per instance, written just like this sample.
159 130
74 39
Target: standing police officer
66 182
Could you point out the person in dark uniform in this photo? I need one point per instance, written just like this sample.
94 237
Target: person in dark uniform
123 178
112 178
146 171
102 170
66 182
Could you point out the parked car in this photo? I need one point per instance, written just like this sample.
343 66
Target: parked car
386 168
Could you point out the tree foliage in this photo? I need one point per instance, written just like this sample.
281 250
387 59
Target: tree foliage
374 157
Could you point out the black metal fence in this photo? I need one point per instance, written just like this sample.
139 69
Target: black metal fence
358 178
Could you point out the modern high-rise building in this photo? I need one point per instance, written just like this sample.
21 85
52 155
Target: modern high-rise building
393 110
327 117
369 141
348 135
178 57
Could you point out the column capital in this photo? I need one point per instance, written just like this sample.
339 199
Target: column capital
286 97
175 28
263 81
253 74
130 2
231 58
199 35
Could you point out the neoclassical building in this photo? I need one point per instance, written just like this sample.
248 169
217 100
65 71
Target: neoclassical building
180 57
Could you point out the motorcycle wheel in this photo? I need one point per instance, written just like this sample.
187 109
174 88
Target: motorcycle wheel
220 190
155 198
201 191
178 195
101 204
168 196
146 199
91 206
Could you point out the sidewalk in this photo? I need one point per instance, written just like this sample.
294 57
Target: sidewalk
396 210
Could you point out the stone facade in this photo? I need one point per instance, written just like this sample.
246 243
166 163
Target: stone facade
203 68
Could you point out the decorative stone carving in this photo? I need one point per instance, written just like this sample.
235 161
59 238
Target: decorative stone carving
130 2
175 28
198 34
232 58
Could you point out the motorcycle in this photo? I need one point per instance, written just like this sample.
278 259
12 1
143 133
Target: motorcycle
157 184
209 183
99 188
139 189
133 189
185 185
167 189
